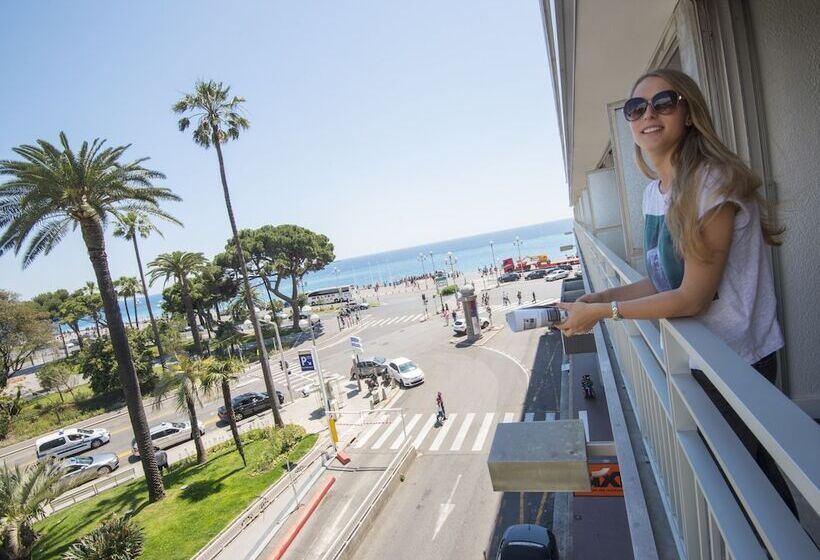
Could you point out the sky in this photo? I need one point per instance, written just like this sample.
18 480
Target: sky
380 124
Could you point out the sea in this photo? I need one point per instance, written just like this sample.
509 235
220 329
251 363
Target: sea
470 254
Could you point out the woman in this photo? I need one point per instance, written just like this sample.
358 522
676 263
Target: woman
705 237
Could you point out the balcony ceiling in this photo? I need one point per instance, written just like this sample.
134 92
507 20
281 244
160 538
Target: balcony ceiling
614 42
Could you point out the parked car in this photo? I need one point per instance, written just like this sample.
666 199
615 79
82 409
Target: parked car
527 542
509 277
460 326
168 434
536 274
70 441
248 404
557 274
405 372
357 305
579 273
89 466
369 366
314 319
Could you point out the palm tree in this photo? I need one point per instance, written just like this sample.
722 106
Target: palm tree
184 380
221 373
132 224
24 495
178 265
125 291
52 189
218 120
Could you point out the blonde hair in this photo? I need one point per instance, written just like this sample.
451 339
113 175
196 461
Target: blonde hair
700 150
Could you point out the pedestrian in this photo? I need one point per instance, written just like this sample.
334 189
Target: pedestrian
519 297
707 233
454 315
162 460
533 297
446 308
440 405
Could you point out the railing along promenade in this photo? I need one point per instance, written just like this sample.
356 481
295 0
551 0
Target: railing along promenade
699 463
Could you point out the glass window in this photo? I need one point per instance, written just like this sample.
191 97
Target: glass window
52 444
407 366
75 437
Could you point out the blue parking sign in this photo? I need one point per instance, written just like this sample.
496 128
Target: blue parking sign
306 361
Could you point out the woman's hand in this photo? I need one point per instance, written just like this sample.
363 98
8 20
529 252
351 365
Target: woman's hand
581 316
594 297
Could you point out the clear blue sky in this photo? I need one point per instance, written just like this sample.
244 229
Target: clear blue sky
380 124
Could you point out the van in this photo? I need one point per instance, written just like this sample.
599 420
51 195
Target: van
70 441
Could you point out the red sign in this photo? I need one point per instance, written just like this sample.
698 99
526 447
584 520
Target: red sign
605 479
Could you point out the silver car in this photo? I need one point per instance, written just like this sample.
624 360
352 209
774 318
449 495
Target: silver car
168 434
90 466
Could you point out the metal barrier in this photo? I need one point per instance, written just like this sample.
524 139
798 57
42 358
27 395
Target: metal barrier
699 463
87 491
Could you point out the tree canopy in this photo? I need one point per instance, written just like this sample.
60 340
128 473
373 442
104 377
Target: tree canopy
24 329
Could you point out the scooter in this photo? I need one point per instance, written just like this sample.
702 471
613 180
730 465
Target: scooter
586 385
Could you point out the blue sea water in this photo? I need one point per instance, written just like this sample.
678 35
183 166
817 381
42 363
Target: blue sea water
471 253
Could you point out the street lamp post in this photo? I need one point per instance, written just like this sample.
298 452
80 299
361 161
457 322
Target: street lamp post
492 250
285 369
518 243
305 324
421 259
452 260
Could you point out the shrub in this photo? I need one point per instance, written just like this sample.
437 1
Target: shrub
449 290
291 435
279 441
97 363
117 538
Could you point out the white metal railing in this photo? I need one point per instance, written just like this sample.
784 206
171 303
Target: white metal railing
699 463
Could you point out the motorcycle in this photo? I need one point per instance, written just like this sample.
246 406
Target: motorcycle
586 385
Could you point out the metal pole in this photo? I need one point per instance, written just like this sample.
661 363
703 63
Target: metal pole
403 426
315 352
282 359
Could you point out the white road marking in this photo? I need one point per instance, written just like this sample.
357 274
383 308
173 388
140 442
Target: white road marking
478 444
446 509
390 429
529 417
368 433
462 432
524 370
508 417
407 429
550 417
425 429
390 321
418 317
443 432
582 414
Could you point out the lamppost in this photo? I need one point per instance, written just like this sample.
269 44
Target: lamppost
518 243
432 263
266 318
421 259
452 260
492 250
307 324
339 286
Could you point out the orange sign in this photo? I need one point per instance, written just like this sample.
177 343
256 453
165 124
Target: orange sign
605 479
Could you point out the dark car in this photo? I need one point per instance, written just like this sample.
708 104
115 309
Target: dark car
509 277
369 366
565 267
527 542
248 404
536 274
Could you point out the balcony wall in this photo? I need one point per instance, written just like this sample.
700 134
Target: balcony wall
719 503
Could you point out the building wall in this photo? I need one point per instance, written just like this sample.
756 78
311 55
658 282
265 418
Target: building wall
787 45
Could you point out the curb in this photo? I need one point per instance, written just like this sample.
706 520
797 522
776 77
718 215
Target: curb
311 506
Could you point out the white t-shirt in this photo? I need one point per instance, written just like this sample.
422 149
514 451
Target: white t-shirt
743 312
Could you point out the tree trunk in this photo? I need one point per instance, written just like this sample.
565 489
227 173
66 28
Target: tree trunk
62 338
128 313
226 398
295 303
97 320
95 244
136 317
260 341
75 326
201 454
148 302
189 313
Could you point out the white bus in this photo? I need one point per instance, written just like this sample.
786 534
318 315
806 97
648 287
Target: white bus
330 295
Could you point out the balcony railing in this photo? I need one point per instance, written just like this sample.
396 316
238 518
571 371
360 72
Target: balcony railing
699 463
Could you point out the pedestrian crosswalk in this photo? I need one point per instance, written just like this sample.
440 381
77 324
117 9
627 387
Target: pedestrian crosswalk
468 432
369 322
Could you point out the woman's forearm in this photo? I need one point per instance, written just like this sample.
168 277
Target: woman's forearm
636 290
662 305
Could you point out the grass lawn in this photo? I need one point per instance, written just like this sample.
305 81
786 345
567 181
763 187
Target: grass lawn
38 417
200 502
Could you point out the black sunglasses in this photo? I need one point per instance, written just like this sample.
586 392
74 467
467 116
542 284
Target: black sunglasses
663 103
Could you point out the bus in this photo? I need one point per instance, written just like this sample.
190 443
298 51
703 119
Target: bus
330 295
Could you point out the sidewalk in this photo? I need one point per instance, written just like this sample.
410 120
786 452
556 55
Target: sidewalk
254 529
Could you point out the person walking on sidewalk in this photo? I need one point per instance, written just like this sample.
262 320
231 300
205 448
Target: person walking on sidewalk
440 405
533 297
454 315
162 460
519 297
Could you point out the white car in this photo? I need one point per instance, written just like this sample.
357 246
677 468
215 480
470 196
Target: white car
405 372
557 274
70 441
168 434
460 327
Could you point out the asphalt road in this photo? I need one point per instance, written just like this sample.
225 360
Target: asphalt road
446 507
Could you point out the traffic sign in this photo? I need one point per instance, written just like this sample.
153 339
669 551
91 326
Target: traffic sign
306 361
356 343
441 281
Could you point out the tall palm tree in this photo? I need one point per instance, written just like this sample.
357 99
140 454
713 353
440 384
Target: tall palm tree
52 190
184 380
218 120
179 265
24 494
222 373
131 225
125 290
